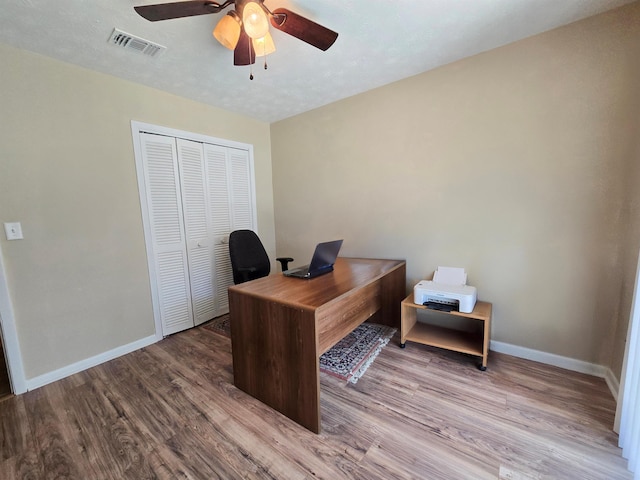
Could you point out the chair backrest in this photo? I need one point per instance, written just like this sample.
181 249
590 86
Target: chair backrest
249 259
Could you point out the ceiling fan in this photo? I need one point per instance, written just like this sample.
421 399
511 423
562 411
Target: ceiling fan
245 29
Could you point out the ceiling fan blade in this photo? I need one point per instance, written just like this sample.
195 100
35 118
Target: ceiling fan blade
244 54
167 11
303 28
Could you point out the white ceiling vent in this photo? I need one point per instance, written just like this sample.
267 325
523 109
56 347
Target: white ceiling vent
131 42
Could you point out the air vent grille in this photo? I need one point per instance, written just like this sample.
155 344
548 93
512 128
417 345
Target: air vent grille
137 44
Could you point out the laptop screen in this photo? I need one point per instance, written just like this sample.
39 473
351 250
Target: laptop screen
325 255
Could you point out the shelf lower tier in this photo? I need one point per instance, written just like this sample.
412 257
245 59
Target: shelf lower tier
441 337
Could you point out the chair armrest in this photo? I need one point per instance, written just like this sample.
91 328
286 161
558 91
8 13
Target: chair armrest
284 262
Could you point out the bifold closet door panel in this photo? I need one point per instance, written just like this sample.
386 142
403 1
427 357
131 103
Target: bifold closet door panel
232 206
241 190
197 222
221 225
171 276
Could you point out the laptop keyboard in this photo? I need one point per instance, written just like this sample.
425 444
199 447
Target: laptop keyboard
300 270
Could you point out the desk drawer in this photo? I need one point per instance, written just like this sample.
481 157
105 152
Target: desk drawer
337 319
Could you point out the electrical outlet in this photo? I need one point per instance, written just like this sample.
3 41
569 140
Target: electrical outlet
13 231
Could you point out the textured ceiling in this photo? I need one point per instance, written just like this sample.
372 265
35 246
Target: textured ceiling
379 42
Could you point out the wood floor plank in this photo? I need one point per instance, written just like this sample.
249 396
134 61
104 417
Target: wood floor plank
57 459
171 411
399 459
137 403
20 458
416 428
94 415
164 465
14 438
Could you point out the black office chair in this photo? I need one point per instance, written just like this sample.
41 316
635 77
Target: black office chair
249 259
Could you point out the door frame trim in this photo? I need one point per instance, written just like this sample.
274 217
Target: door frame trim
15 367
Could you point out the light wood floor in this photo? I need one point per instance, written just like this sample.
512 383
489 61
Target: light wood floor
171 411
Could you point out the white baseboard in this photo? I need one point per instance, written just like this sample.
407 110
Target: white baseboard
612 383
63 372
559 361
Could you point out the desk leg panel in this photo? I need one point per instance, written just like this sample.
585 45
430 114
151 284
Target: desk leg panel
393 290
275 356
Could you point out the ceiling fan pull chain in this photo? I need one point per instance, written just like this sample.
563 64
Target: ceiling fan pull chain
250 64
264 51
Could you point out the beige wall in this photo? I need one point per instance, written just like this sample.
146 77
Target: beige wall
511 164
631 247
78 281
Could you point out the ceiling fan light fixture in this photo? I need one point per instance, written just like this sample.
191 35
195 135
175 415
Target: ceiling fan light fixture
245 29
255 21
227 31
264 46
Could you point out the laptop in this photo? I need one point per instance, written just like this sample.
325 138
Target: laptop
322 261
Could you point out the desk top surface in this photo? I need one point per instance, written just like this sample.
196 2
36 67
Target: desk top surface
348 274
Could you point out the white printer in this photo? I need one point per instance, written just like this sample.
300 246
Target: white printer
447 291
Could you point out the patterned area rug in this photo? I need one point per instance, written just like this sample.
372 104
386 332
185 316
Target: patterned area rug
348 359
219 325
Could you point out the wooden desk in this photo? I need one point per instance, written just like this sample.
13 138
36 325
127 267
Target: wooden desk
280 326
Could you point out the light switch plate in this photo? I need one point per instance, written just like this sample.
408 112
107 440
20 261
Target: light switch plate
13 231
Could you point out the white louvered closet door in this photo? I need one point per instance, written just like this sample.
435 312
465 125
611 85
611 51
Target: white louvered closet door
230 183
198 230
220 207
165 214
195 194
241 194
